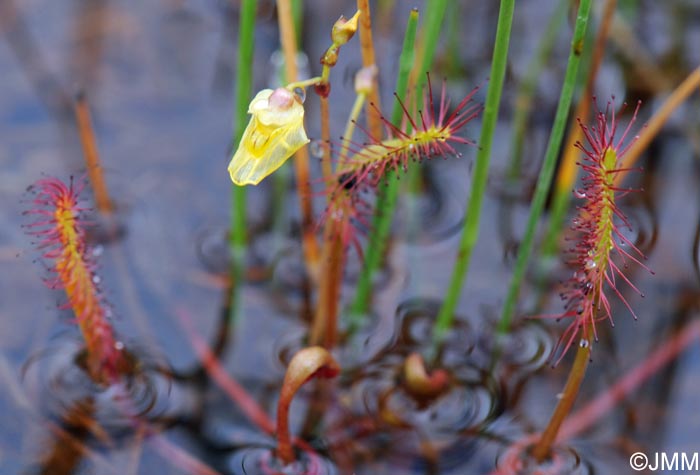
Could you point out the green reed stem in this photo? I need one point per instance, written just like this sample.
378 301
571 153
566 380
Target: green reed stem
545 178
386 199
298 15
435 14
237 232
434 20
526 91
568 171
453 47
470 231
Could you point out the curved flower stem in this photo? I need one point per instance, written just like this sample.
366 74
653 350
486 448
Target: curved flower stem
470 232
566 402
306 364
305 83
545 178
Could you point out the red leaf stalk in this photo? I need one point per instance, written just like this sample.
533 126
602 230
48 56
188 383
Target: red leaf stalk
60 228
305 365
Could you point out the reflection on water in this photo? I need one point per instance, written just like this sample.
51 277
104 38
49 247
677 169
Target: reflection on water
563 460
159 80
261 461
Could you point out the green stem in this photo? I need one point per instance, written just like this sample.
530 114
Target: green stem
350 126
435 13
298 16
568 171
433 27
545 178
386 201
305 83
470 231
526 91
237 234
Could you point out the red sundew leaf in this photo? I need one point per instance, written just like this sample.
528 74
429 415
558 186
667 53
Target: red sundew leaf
368 164
421 139
597 224
63 244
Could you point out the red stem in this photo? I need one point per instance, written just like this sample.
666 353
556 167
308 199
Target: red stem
306 364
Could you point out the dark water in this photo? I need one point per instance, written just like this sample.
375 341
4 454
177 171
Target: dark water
159 78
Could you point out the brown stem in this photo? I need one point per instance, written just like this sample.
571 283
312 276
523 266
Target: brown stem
568 397
326 168
287 38
301 160
368 60
643 67
92 158
677 97
306 364
324 330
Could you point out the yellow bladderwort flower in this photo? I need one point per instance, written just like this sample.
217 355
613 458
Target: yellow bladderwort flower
274 133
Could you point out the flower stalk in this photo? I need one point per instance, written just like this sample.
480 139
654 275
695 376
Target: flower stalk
343 30
338 233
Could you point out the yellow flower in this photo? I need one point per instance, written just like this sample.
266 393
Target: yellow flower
274 133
